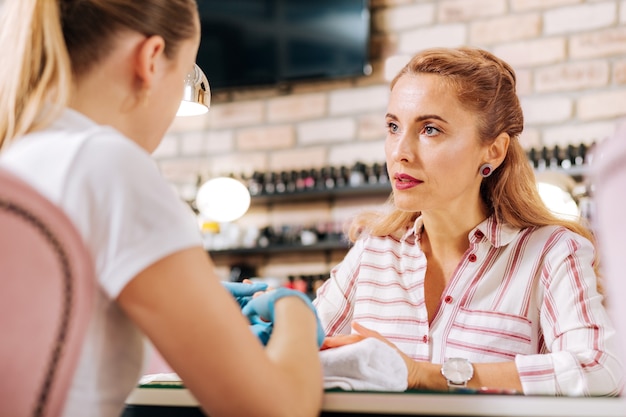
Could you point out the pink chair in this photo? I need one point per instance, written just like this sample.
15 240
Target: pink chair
47 288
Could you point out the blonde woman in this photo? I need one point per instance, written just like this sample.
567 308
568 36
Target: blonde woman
87 91
469 275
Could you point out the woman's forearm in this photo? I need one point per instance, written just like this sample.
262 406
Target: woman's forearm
504 375
291 347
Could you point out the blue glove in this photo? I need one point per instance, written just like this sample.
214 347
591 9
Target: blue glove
260 312
243 292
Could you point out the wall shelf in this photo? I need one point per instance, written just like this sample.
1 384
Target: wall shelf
377 189
322 246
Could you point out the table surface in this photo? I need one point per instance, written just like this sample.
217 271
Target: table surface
419 403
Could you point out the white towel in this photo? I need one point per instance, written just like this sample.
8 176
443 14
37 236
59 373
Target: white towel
368 365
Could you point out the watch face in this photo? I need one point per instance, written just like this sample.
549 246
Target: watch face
457 370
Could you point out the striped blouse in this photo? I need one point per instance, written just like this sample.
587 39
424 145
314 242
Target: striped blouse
527 296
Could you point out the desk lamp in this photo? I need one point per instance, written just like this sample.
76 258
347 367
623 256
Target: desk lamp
197 94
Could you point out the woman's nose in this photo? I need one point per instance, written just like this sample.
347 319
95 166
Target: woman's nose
401 149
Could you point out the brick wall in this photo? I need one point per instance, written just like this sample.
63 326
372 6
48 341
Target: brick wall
569 55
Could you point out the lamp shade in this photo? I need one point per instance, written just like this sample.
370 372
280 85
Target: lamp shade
196 95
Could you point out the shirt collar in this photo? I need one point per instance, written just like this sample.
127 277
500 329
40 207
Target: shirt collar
497 233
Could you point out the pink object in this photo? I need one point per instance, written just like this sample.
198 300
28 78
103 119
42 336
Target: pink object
609 178
46 294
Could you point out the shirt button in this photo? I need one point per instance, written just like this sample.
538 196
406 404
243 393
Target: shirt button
479 234
425 338
472 258
448 299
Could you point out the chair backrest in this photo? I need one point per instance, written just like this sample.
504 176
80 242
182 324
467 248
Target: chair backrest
47 286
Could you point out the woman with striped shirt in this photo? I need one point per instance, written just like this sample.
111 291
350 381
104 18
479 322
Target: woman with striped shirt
468 270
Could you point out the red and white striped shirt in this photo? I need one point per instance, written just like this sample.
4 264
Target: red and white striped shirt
527 296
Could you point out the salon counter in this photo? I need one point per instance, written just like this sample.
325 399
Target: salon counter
162 401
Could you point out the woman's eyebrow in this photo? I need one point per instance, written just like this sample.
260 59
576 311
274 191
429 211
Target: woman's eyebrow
430 116
419 118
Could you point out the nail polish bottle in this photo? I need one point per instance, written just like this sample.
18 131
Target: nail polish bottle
383 175
281 182
291 182
555 157
269 185
329 180
532 157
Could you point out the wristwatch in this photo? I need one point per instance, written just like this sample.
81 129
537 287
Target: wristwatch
457 371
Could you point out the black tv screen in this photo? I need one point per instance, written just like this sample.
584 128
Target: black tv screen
247 43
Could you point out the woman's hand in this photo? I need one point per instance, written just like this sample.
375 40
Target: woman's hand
363 332
244 291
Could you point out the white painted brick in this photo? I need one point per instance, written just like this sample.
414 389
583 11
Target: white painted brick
524 5
542 110
168 147
464 10
579 18
572 76
533 52
404 17
358 100
296 107
602 105
599 44
371 126
366 152
298 158
265 137
192 143
619 72
181 170
413 41
236 114
505 29
326 131
394 64
206 142
219 141
523 81
530 137
322 86
575 133
238 163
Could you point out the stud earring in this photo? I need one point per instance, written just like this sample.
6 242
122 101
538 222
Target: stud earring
486 170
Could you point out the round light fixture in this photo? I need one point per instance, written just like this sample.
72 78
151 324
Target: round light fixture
555 189
223 199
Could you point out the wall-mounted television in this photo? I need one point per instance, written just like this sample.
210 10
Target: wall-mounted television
248 43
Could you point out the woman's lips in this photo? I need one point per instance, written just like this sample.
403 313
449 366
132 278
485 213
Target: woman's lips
404 182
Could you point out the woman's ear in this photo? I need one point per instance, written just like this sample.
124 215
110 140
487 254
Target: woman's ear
496 152
149 51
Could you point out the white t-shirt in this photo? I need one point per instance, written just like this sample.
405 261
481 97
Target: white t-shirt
129 217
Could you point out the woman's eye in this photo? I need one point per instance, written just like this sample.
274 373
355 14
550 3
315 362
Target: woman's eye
393 128
431 130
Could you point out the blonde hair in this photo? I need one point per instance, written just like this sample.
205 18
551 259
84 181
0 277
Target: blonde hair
485 85
48 42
